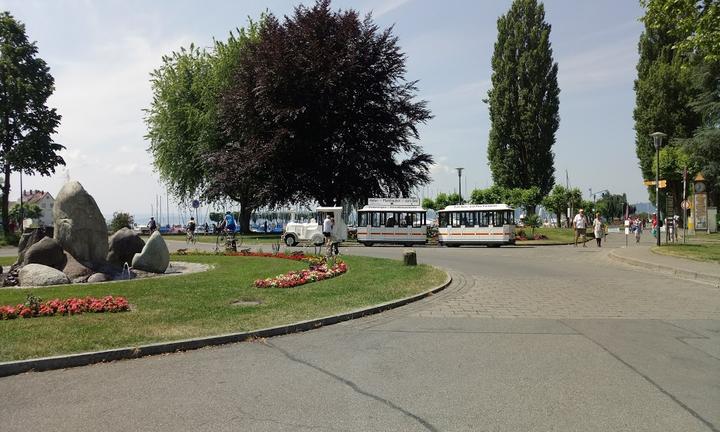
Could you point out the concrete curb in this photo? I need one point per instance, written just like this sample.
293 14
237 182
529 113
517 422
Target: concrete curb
88 358
683 274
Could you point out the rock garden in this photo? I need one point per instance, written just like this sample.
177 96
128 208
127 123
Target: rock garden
77 249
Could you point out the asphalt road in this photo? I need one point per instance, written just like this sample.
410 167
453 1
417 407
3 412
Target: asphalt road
546 338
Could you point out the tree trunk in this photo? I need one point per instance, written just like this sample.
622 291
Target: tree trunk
245 214
5 200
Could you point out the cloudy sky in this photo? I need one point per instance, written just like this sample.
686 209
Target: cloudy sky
101 54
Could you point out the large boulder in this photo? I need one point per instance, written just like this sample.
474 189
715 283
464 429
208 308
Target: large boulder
46 252
75 271
41 275
155 257
80 228
28 239
124 244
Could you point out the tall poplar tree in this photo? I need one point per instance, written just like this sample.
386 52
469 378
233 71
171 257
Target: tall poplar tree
524 100
26 122
663 93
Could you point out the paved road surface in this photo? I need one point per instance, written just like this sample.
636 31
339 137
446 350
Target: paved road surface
546 338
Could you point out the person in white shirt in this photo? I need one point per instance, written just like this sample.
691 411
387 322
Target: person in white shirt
327 228
580 226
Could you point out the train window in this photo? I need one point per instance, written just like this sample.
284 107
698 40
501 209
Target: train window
363 219
442 219
486 218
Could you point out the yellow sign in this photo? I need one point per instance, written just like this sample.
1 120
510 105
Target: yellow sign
663 183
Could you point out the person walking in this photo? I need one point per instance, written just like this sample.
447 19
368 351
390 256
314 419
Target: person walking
327 232
598 229
638 229
580 226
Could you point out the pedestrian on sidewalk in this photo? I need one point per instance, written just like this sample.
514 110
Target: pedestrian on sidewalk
638 229
580 226
655 225
598 229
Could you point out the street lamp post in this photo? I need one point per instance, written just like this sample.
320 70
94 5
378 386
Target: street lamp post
459 170
657 140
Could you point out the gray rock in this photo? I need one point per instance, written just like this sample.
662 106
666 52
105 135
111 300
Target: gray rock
75 270
28 239
124 244
99 277
154 257
41 275
46 252
80 228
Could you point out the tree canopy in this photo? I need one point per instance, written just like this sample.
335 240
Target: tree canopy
523 100
315 107
26 122
515 197
561 199
331 111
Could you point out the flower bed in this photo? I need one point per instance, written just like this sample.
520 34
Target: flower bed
35 307
316 272
318 268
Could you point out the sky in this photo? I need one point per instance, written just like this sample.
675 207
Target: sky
102 52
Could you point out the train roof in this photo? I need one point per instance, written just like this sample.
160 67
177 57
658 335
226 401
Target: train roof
477 207
397 209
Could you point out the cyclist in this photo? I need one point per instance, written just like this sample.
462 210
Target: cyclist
229 223
152 225
191 230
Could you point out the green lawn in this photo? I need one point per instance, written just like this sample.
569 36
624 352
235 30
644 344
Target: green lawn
698 252
179 307
554 235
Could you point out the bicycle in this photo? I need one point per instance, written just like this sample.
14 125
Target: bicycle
227 241
190 238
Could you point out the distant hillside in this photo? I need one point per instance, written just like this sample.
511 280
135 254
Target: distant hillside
645 207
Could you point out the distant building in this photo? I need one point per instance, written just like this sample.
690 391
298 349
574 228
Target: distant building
43 200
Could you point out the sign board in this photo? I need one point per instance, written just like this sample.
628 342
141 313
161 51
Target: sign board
663 183
393 202
685 204
701 219
195 203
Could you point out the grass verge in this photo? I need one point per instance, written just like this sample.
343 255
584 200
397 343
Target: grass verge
554 236
196 305
698 252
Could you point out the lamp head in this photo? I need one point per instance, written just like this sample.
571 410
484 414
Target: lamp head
657 139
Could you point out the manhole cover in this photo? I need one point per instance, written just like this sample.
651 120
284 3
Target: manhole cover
247 303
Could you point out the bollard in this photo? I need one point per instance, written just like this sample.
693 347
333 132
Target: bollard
409 257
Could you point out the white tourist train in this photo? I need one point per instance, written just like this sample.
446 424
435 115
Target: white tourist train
476 224
392 221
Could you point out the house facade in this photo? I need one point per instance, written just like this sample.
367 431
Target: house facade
43 200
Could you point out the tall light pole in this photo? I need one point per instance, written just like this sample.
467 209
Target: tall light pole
657 140
459 170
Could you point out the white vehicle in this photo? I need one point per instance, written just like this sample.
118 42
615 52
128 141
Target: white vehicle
395 224
296 232
476 224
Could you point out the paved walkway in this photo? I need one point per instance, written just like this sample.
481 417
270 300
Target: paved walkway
642 256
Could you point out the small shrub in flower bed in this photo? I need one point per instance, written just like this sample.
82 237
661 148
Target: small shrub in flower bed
35 307
318 271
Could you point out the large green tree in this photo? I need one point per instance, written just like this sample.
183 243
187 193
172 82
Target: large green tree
331 110
523 100
192 151
181 126
664 89
26 122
